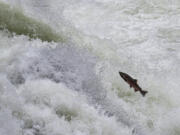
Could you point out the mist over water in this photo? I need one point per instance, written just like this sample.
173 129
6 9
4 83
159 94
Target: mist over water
59 64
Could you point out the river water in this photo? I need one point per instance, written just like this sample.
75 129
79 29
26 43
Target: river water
59 64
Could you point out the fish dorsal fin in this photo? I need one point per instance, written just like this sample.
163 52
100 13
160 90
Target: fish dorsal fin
135 80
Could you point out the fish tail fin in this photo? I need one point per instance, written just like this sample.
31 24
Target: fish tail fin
143 92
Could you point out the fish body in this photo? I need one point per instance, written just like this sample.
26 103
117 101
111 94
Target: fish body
132 83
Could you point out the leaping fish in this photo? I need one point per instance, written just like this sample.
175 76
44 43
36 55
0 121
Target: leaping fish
132 83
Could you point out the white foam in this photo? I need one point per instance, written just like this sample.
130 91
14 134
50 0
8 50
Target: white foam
137 37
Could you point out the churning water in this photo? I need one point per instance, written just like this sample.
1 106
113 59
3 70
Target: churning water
59 64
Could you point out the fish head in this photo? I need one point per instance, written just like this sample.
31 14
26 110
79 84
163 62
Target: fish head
123 75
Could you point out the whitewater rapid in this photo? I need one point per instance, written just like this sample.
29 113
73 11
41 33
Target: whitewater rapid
59 64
